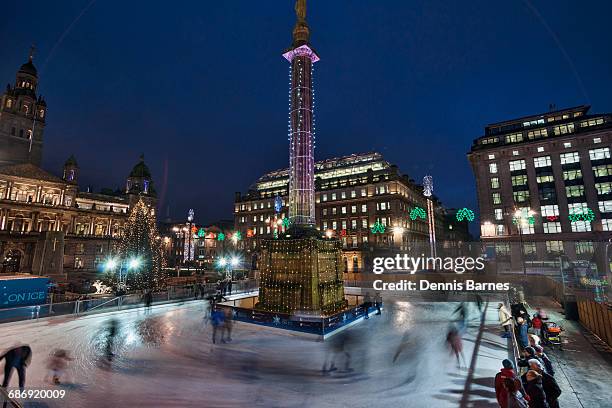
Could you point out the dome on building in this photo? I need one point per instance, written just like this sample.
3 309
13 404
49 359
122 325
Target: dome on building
141 169
71 161
28 68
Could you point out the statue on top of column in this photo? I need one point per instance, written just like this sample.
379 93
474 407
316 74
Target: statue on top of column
300 10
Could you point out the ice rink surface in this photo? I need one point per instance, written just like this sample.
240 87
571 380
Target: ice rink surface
166 359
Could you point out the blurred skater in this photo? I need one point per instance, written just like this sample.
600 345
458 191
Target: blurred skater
216 319
402 346
226 337
378 303
148 298
367 303
338 348
57 364
112 329
505 319
17 358
454 342
462 310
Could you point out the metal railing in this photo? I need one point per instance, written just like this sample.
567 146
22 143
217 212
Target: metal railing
111 303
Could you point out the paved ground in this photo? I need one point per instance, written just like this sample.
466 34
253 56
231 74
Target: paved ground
166 359
583 367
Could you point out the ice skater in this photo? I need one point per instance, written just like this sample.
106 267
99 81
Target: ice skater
454 342
148 298
216 319
110 340
57 364
17 358
337 348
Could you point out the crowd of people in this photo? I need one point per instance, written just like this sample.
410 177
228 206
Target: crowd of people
532 383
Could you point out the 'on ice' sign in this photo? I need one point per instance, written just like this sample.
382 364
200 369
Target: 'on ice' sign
23 291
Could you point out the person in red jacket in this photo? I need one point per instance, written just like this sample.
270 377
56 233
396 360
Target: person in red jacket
501 392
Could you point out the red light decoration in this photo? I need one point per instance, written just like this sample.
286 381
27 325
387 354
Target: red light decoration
552 218
250 233
343 233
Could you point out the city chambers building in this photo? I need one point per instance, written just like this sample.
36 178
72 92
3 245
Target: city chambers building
47 225
361 199
544 187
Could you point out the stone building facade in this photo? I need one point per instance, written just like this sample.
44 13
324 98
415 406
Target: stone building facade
545 181
47 226
353 194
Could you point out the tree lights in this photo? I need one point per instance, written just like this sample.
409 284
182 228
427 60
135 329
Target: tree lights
141 251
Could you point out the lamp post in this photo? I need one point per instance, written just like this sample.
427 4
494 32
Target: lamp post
190 215
125 266
523 218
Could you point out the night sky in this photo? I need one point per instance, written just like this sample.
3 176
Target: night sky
200 87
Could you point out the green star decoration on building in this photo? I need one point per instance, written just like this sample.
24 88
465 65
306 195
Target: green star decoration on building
286 222
417 212
465 214
237 236
378 228
221 237
201 232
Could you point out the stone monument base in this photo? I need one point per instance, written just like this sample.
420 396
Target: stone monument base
302 272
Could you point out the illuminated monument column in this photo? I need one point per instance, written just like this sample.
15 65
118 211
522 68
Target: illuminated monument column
301 271
301 125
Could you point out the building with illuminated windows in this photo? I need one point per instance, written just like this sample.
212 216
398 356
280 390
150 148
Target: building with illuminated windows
353 195
545 181
47 225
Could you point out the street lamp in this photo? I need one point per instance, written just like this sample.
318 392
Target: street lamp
523 218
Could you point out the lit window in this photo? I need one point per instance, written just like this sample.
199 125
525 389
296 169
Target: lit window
493 168
517 165
603 188
325 211
572 174
527 228
605 206
491 156
574 191
519 180
563 129
353 194
343 210
581 226
364 223
364 208
597 140
333 196
353 209
501 229
601 153
324 198
343 195
514 138
567 158
354 224
364 192
334 225
602 171
543 161
334 210
515 152
494 182
551 227
496 198
577 208
567 144
499 215
520 196
537 134
549 211
606 224
554 247
592 122
584 247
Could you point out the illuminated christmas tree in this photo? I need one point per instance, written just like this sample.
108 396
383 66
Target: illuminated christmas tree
140 250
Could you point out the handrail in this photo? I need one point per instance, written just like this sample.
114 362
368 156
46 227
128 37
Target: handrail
8 400
97 306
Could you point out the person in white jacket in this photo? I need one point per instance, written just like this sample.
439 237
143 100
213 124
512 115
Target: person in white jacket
505 319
